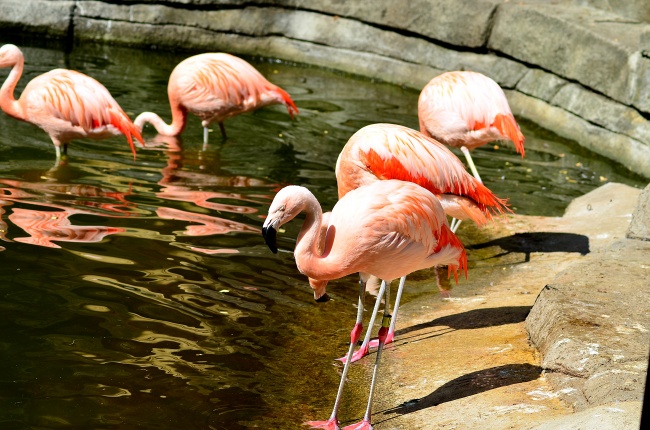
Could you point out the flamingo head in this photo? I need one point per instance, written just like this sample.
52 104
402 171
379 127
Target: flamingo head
286 205
9 55
319 287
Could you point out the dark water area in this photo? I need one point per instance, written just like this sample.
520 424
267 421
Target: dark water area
140 294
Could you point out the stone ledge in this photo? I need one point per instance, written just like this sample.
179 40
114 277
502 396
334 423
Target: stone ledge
573 43
54 18
640 225
592 324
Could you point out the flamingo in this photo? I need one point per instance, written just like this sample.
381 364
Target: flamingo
66 104
389 151
386 229
466 110
214 87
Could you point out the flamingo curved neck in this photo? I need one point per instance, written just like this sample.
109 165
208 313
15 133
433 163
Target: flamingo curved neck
8 102
309 238
179 119
312 247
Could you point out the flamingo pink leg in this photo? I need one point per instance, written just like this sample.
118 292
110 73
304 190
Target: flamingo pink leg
363 349
365 424
333 423
391 331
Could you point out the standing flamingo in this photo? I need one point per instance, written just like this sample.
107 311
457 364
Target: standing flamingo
386 229
66 104
466 110
388 151
214 87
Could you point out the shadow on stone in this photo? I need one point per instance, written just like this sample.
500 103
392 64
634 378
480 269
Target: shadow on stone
474 319
471 384
528 243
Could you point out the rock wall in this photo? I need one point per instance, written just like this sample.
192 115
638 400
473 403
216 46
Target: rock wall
572 66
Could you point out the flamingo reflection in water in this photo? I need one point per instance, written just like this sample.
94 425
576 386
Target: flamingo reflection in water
45 227
185 185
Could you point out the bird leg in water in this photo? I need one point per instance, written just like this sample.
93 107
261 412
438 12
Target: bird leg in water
206 131
472 167
383 334
332 422
454 224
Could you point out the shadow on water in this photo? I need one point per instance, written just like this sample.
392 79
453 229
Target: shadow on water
141 294
527 243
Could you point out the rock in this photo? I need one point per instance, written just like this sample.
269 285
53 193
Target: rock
615 416
19 17
553 45
591 324
640 225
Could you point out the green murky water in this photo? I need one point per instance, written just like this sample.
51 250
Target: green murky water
141 295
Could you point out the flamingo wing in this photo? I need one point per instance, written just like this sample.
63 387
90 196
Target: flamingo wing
399 228
389 151
61 100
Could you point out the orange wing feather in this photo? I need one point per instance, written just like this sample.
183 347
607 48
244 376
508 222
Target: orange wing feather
464 108
388 151
79 100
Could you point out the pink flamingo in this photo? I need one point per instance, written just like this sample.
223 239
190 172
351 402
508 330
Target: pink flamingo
66 104
386 229
214 87
388 151
466 110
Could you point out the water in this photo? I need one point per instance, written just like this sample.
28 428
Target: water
141 294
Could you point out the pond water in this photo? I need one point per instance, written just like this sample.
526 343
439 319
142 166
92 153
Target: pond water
140 294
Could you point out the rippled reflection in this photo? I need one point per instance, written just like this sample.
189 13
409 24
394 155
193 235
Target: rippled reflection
141 295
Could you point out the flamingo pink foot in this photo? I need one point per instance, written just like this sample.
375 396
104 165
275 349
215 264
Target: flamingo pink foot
361 425
331 424
358 355
389 339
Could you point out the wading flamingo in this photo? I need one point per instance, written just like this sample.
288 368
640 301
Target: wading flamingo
388 151
66 104
386 229
466 110
214 87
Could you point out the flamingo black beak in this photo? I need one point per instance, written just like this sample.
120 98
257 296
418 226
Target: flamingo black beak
324 298
270 234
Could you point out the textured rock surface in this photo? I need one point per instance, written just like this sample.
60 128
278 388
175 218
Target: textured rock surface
640 225
580 68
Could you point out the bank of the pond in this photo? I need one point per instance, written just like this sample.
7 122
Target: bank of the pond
578 68
552 336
